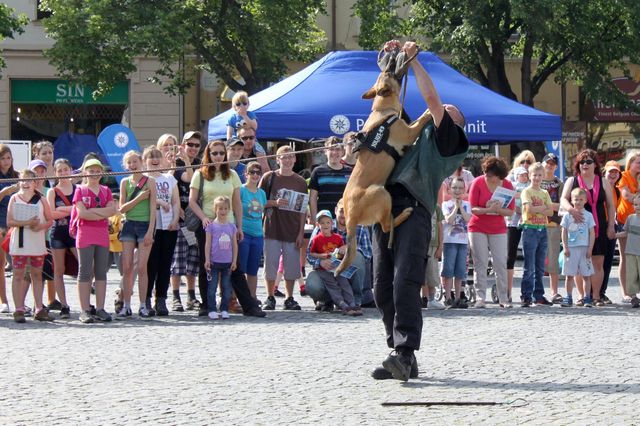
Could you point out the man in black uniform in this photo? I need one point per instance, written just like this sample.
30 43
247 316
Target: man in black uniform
399 272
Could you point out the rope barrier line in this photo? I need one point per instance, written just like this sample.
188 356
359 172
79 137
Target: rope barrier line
164 169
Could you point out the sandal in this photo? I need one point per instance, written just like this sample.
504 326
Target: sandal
556 299
580 302
599 303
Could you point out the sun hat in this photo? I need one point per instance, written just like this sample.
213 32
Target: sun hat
92 162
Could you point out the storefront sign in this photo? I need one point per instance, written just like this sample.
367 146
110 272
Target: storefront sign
64 93
631 87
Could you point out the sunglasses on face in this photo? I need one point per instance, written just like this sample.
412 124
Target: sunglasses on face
216 153
525 162
248 138
193 145
242 103
588 162
255 172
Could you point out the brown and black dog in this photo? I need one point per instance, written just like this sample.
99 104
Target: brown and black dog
365 199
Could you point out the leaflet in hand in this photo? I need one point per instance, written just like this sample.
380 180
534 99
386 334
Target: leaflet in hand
25 211
504 195
347 273
298 201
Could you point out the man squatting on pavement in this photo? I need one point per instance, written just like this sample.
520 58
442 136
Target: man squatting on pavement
399 272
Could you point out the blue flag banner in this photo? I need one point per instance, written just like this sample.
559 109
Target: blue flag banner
115 141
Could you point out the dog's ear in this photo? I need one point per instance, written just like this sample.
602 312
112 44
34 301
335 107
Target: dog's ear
369 94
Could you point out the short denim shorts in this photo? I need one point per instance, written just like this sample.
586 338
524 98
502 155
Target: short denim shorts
133 231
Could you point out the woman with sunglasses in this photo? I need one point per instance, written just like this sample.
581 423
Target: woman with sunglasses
250 248
628 186
240 104
219 180
185 257
587 175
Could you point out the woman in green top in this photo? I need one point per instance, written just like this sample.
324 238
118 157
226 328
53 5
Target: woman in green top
137 203
219 179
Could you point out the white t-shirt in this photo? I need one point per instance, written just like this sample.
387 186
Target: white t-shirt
456 233
578 233
33 243
164 186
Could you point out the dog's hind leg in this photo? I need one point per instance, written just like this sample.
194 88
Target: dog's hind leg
404 215
397 221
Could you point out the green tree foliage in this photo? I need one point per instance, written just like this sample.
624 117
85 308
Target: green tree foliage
97 41
571 40
10 25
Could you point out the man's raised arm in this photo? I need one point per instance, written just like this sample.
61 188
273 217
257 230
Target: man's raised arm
425 84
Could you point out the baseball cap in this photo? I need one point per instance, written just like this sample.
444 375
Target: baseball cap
518 171
192 134
322 213
37 163
234 141
92 162
550 156
611 164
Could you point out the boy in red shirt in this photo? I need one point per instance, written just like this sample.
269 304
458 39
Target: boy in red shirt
322 246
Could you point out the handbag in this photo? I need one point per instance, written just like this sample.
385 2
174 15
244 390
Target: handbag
191 219
7 241
70 264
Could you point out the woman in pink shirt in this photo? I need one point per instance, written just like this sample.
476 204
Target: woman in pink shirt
488 230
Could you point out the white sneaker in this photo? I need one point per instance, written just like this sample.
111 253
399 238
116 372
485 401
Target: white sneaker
224 315
435 305
123 313
214 315
479 304
4 309
143 312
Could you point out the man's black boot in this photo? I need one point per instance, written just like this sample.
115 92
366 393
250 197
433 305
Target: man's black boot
399 366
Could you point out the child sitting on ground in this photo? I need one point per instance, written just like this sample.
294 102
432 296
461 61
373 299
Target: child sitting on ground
221 254
240 104
322 246
632 252
577 244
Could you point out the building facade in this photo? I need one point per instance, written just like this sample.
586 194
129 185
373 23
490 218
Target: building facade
36 104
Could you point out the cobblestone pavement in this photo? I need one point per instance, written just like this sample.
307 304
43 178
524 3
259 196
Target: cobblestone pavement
572 366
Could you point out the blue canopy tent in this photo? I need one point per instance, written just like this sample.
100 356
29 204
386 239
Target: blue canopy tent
324 99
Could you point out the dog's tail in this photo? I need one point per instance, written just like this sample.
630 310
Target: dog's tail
352 248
